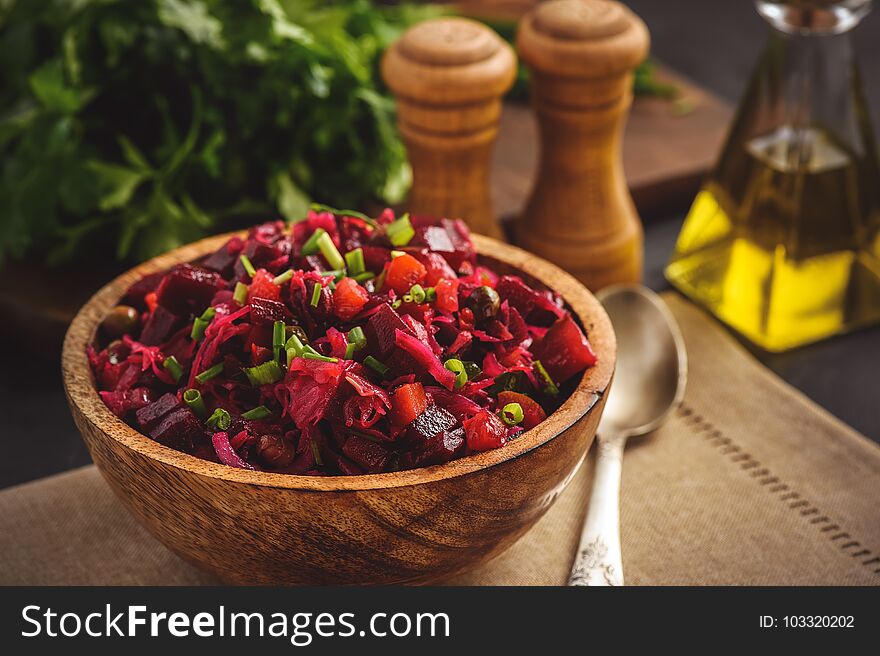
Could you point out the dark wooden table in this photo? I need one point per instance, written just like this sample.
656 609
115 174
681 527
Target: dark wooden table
714 44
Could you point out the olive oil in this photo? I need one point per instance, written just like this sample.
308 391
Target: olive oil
785 252
783 241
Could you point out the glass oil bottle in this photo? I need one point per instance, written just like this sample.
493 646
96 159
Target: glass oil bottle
783 241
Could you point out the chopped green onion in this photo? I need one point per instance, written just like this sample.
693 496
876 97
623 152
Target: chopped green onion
262 374
430 294
208 374
354 260
260 412
316 452
407 298
376 365
400 231
319 207
278 335
396 304
356 341
246 263
316 295
396 254
364 277
220 419
311 245
457 367
172 366
201 323
549 386
310 355
357 337
196 403
417 293
512 414
293 344
284 277
338 275
240 295
330 252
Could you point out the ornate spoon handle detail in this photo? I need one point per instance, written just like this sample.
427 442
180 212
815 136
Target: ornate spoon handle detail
598 560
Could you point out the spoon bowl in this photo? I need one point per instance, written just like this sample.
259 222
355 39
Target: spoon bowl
651 364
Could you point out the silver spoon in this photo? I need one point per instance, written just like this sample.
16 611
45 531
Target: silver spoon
648 385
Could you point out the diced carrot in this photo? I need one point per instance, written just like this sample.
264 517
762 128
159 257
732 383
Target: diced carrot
484 431
263 286
349 298
533 413
447 295
407 402
403 272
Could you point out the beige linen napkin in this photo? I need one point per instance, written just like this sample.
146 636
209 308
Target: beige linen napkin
750 483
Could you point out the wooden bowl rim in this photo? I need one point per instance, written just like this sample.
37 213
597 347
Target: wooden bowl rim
81 391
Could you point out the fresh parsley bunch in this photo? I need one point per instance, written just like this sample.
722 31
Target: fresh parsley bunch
133 126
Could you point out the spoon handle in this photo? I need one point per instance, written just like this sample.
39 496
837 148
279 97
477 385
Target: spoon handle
598 560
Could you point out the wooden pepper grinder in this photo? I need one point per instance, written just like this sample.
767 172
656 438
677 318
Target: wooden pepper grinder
448 76
580 215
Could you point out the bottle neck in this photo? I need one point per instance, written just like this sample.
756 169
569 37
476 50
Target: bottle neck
813 17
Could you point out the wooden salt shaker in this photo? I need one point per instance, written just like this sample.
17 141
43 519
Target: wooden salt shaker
448 76
580 215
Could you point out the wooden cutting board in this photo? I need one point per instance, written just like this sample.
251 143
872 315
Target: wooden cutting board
665 156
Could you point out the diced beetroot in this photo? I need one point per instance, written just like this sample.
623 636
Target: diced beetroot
484 431
264 310
534 306
148 416
433 420
159 327
177 429
436 450
121 402
259 253
449 238
223 259
564 351
366 453
349 299
135 295
376 257
533 413
188 289
381 331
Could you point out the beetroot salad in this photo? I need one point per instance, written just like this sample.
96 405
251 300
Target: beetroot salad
339 345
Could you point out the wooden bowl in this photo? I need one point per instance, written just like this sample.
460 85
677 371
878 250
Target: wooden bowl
413 526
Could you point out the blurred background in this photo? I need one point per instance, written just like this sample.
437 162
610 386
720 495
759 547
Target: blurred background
128 128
